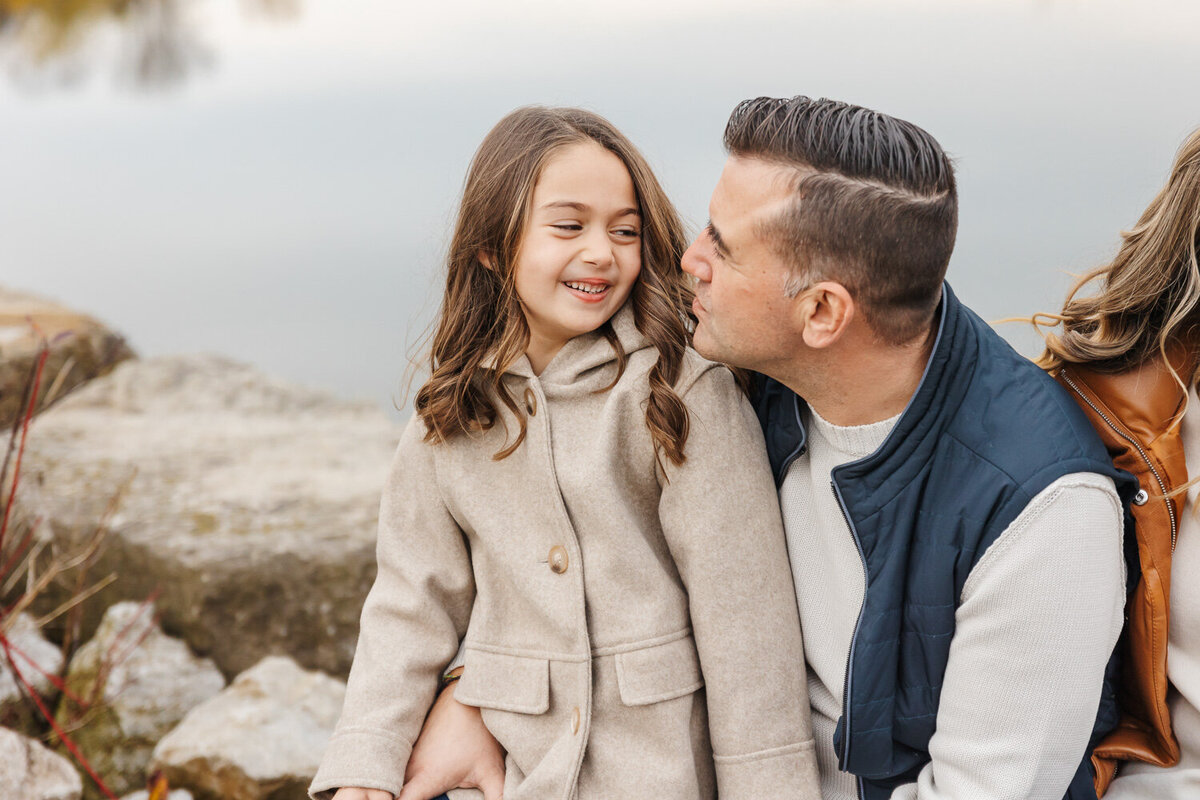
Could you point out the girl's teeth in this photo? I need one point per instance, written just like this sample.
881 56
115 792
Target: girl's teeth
584 287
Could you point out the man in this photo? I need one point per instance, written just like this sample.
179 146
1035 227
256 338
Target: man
954 524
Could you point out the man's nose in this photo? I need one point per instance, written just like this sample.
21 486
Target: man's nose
695 263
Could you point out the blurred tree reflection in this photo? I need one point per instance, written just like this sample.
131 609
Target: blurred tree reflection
57 40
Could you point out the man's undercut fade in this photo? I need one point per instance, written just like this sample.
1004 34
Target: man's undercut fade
875 205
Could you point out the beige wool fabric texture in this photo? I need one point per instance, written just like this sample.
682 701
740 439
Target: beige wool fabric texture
589 670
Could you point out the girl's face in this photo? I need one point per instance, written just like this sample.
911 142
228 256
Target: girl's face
581 250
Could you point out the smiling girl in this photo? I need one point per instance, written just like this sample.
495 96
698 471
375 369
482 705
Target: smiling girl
584 503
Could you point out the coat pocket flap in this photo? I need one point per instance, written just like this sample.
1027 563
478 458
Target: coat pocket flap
504 682
659 672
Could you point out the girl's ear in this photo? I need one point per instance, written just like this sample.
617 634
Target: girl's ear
486 259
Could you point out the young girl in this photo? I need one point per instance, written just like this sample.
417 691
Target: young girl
585 503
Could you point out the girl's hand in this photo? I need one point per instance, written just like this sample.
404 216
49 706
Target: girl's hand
455 750
354 793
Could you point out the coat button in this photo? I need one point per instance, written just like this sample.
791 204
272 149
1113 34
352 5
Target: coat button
558 559
530 402
575 720
1141 497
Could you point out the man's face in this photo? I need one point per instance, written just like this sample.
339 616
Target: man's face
744 317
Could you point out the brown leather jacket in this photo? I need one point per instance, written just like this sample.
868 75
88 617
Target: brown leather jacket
1132 412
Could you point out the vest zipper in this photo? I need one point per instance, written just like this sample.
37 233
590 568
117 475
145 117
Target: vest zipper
1162 486
844 756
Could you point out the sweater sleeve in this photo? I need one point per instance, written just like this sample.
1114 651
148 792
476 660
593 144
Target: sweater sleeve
1039 616
412 621
720 516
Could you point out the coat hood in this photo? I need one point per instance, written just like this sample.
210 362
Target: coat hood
586 354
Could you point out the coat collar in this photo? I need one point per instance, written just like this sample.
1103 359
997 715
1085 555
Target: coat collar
583 354
1146 398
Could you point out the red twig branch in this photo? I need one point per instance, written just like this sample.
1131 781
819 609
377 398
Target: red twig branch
21 426
37 379
62 735
56 681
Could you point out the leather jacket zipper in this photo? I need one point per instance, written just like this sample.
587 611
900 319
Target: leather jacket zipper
1162 486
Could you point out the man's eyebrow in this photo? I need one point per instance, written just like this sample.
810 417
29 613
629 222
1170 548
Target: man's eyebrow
717 241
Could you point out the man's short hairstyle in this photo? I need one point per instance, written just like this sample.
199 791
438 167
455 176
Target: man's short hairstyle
875 204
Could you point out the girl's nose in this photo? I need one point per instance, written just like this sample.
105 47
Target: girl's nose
597 250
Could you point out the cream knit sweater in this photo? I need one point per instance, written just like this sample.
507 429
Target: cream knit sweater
1039 616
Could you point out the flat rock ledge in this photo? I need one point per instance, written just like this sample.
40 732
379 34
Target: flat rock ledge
250 505
262 738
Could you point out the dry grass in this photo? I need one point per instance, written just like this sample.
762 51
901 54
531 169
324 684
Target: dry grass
30 565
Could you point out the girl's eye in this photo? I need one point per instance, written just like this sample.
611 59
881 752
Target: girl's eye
628 233
568 226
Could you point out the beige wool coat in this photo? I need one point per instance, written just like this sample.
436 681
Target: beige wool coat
625 636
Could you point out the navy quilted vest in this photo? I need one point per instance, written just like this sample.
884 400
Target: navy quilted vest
985 432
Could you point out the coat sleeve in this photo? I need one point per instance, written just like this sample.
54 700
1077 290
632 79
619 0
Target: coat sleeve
720 514
412 621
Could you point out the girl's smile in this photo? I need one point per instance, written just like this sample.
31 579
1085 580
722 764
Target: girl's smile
589 291
581 251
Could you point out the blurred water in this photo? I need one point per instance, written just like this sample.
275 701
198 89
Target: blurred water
275 180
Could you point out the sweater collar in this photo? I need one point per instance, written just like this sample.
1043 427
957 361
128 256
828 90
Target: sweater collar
853 441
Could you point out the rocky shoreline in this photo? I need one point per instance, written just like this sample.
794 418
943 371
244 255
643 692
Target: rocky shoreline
235 516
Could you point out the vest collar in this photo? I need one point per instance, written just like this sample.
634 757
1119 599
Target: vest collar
944 382
787 437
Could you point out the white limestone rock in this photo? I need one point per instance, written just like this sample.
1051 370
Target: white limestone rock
30 771
34 657
262 737
141 683
252 507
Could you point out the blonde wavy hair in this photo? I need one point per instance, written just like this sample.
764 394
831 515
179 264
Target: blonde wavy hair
1146 298
481 328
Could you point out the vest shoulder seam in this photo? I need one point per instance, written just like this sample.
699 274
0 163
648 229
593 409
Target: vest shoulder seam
1027 518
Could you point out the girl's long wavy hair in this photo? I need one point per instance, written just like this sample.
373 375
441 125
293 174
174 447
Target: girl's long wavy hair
1148 296
481 328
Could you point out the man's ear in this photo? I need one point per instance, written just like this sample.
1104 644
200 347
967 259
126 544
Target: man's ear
825 310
